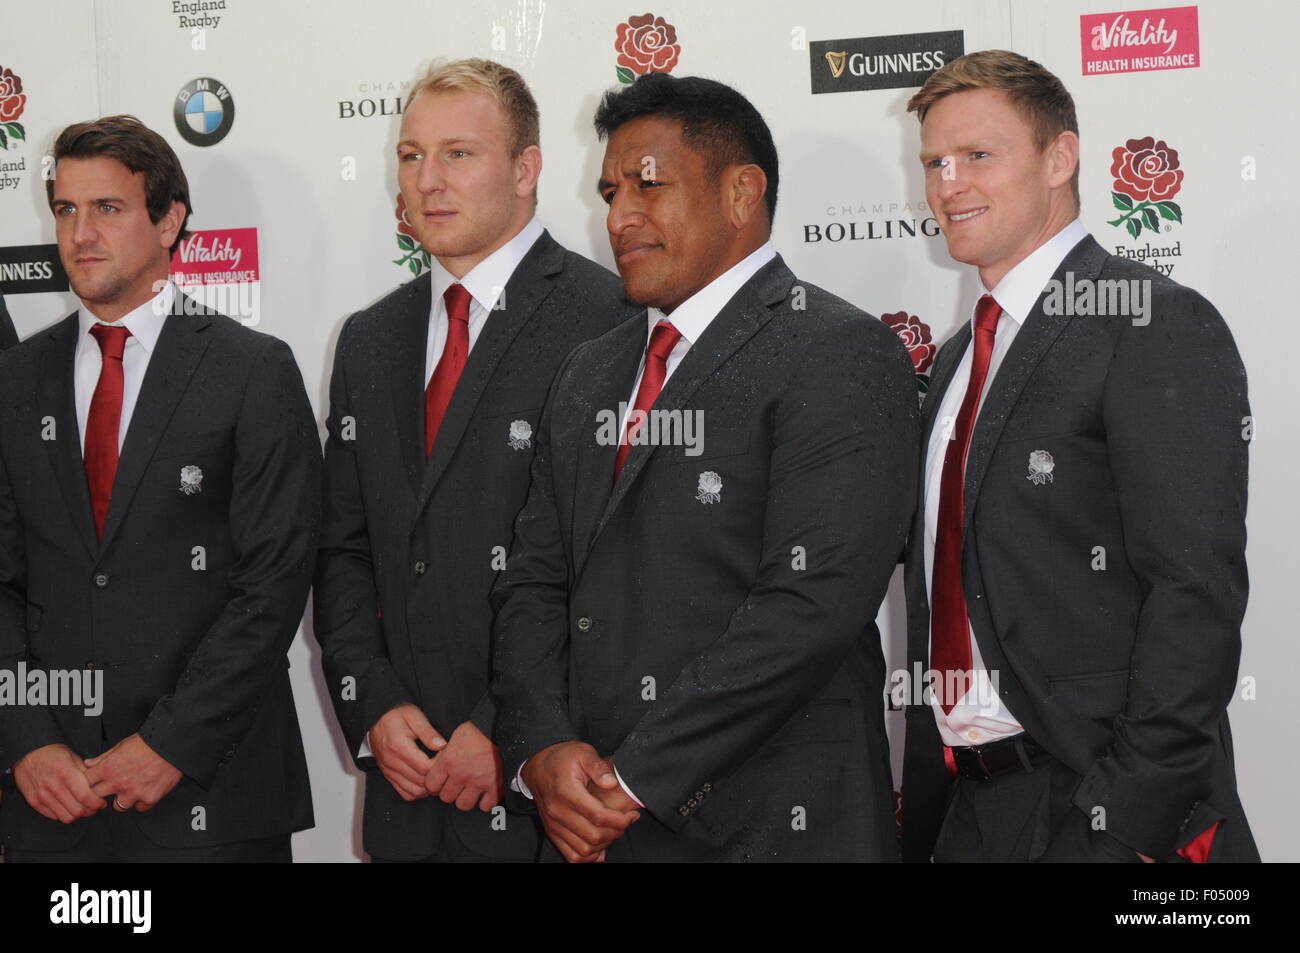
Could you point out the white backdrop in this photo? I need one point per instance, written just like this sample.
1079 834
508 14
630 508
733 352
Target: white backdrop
309 163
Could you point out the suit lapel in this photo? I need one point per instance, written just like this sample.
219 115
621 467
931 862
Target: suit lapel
528 287
611 384
58 400
1036 335
407 348
176 356
737 322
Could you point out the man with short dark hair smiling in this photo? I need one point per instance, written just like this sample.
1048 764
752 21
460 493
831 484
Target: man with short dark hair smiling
686 664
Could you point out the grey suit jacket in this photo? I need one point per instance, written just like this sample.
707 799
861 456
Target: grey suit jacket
411 546
709 619
1109 597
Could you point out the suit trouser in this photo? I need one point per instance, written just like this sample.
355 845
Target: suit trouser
1024 816
113 836
452 850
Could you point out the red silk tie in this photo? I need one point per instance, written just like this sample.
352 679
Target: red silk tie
454 354
104 420
662 341
950 654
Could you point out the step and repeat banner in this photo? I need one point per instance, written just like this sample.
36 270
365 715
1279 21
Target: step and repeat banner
285 116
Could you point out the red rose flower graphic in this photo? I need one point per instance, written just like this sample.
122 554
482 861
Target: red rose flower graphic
1147 175
403 223
12 103
414 256
1146 169
915 335
645 44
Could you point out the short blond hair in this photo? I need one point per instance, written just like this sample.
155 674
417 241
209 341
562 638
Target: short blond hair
502 84
1038 94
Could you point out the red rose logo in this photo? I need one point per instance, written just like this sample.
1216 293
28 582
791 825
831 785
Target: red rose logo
12 103
403 223
915 335
1146 169
645 44
1147 176
414 256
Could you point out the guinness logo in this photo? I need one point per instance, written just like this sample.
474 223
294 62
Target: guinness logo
836 62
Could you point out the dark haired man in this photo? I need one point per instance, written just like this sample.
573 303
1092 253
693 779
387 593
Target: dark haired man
716 508
159 506
1076 573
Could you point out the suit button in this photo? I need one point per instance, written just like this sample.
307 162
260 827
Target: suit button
419 567
584 624
699 796
683 810
706 787
691 803
90 666
101 579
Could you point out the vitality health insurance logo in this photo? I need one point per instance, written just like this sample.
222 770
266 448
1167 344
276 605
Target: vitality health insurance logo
1140 40
645 44
219 267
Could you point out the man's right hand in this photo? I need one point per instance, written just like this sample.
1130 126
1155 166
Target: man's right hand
53 780
579 825
392 741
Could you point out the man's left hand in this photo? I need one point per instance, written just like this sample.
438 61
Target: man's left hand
134 772
467 770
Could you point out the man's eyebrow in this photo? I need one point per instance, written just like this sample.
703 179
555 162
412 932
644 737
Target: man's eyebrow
109 199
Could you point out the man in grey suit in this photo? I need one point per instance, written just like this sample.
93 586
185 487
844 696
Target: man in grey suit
159 505
694 579
1076 573
434 400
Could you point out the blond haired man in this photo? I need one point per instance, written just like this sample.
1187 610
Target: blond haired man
1076 572
435 398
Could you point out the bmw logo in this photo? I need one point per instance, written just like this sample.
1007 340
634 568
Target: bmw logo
204 112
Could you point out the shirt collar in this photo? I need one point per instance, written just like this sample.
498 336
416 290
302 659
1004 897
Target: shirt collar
1020 287
487 280
145 322
694 315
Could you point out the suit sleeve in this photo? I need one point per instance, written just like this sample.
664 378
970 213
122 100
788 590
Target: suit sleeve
530 664
274 521
1175 412
362 682
842 487
23 728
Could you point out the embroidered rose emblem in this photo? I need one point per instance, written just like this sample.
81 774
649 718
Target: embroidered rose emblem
191 480
521 435
1041 466
710 487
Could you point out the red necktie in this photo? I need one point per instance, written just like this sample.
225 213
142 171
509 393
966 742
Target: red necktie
454 353
662 341
104 420
949 625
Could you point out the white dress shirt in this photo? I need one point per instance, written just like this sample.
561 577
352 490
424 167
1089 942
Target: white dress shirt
486 282
692 318
145 324
980 716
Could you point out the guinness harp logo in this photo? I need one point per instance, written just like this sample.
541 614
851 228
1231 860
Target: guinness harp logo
836 62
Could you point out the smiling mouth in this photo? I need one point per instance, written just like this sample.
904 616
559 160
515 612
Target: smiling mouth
967 216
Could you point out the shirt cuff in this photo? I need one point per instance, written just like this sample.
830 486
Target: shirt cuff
627 790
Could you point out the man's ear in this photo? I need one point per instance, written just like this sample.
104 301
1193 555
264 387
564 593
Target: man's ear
1063 156
169 226
528 169
745 187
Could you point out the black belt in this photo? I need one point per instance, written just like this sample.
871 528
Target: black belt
982 762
